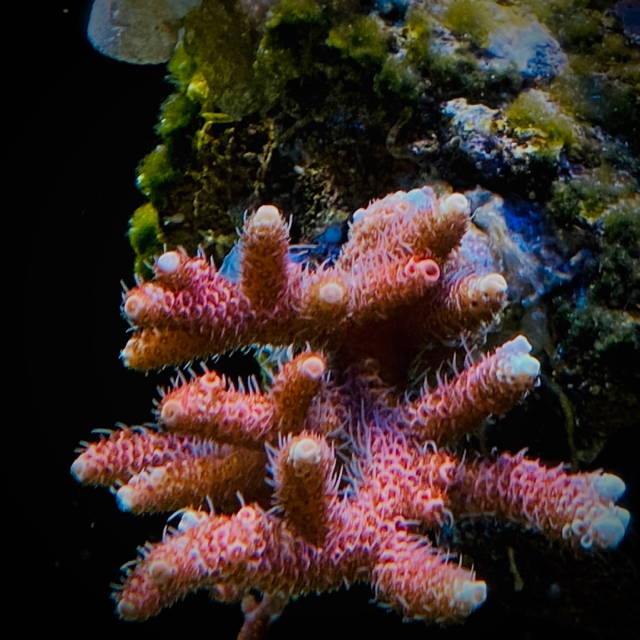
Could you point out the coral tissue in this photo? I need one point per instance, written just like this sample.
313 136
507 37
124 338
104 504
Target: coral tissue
342 474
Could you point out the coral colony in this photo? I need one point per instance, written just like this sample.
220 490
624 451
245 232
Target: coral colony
333 473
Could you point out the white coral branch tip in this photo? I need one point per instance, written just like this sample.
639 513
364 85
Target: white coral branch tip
518 345
125 498
492 285
524 368
455 203
168 262
470 595
133 306
610 529
609 486
267 216
312 367
607 529
304 454
516 365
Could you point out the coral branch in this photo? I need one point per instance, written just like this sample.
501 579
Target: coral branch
492 385
304 486
418 581
164 472
579 508
265 268
404 224
294 388
206 407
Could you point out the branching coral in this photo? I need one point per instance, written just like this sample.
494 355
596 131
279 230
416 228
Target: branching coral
411 272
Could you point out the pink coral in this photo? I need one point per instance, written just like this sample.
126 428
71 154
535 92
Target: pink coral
340 475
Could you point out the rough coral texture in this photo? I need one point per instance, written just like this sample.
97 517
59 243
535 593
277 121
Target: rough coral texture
343 476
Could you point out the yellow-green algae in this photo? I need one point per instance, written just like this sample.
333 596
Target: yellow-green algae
602 84
362 39
145 237
533 110
587 195
471 19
